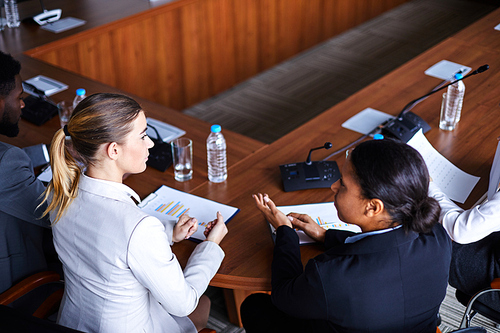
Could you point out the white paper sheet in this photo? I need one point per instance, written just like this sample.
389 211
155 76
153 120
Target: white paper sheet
47 85
325 214
497 27
445 70
455 183
365 121
64 24
167 132
494 174
168 204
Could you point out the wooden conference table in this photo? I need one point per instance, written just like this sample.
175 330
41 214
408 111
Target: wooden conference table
471 147
253 167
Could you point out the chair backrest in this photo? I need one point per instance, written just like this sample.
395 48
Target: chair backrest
470 311
15 321
471 330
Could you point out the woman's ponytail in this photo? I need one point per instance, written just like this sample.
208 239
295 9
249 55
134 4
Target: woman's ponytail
66 171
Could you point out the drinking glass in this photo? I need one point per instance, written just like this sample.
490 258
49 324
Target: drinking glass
182 158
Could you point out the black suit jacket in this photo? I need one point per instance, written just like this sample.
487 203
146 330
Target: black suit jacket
22 230
390 282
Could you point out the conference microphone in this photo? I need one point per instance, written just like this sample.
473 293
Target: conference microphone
327 145
407 123
310 174
481 69
47 16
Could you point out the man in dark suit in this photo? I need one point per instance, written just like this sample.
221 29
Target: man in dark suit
22 230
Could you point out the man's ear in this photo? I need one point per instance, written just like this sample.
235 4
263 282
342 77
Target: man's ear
113 150
374 207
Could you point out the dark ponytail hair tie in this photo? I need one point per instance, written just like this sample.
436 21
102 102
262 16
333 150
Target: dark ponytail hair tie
65 129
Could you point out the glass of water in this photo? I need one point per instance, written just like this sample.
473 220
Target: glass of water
182 158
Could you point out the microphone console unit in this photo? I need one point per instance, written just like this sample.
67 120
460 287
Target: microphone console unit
309 174
300 176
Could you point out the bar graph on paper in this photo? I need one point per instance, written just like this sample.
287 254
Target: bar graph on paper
168 204
325 214
172 209
175 210
333 225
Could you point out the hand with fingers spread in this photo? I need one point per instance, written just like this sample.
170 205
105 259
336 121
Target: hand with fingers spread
184 228
305 223
216 229
272 214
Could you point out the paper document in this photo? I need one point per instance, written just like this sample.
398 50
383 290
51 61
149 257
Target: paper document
168 204
47 85
166 131
64 24
455 183
45 175
365 121
445 70
494 174
325 214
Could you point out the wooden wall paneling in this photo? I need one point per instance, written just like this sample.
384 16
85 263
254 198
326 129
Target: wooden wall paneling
268 33
168 61
67 57
184 52
222 45
312 23
290 16
193 49
95 59
246 38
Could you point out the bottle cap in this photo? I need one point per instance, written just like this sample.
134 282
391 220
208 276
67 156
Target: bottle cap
215 128
378 136
80 91
458 76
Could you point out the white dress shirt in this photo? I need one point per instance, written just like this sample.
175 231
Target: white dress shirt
120 272
467 226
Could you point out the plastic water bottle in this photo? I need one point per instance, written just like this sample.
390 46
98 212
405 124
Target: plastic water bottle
80 96
12 13
216 155
452 105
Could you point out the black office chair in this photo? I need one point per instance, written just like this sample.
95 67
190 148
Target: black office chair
15 320
476 305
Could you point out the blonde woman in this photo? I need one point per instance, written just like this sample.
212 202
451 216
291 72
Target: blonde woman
120 272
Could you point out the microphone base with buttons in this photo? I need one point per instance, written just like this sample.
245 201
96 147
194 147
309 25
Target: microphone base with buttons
405 127
301 176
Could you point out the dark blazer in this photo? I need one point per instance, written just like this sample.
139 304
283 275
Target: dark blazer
21 230
390 282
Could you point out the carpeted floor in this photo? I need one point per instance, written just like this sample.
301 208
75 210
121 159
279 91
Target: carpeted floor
275 102
451 315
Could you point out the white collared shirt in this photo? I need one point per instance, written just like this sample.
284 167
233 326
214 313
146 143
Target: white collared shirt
355 238
467 226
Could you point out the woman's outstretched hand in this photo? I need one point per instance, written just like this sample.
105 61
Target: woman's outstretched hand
272 214
216 230
184 228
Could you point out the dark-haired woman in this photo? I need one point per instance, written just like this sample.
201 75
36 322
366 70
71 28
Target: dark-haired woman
119 269
391 277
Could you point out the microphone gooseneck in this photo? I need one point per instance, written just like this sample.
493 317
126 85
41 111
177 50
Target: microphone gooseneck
477 71
327 145
407 107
